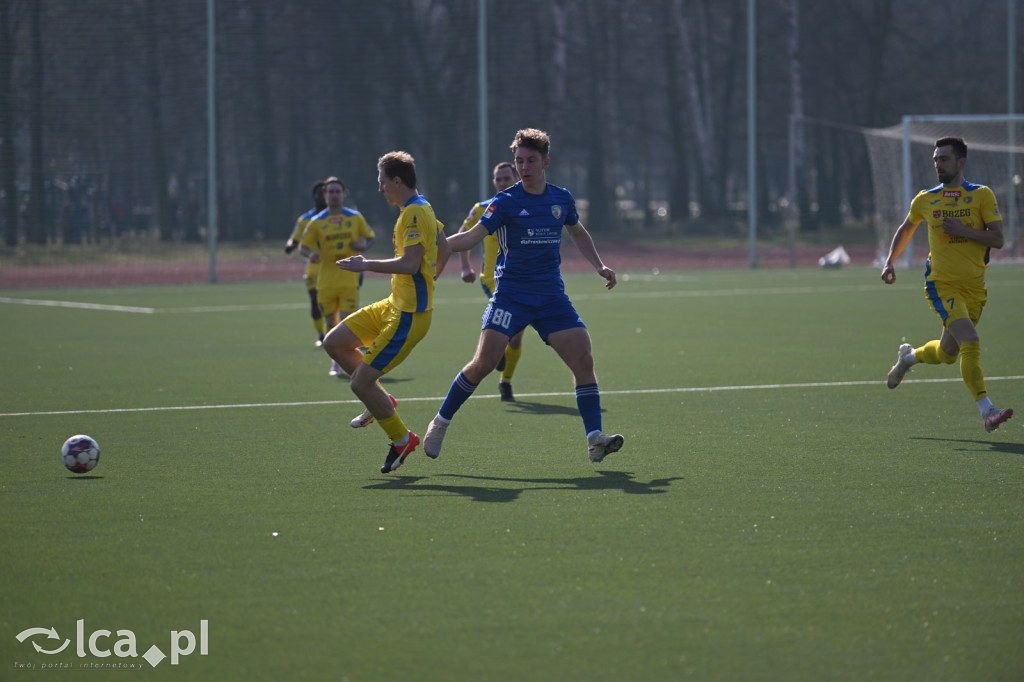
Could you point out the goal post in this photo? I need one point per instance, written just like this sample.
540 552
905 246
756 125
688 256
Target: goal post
901 166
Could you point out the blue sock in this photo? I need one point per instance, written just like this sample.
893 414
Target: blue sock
459 393
588 400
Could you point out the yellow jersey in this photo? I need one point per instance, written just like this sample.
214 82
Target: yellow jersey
490 243
955 258
416 224
331 236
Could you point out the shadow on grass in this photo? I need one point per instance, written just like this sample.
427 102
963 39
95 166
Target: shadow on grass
526 407
605 480
994 446
386 379
79 477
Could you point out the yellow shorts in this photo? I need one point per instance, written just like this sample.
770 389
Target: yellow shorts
953 301
338 292
388 333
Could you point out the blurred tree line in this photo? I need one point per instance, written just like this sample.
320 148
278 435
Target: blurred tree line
103 127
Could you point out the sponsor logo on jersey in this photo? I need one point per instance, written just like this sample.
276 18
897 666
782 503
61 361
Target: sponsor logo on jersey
951 194
490 210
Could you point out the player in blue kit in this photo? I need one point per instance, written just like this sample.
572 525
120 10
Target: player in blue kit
528 219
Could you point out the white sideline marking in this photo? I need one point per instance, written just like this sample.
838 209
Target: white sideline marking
619 294
73 304
438 399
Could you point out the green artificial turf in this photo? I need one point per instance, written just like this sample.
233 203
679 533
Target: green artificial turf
776 512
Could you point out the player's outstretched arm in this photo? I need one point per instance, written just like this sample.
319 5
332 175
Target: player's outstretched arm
585 243
443 251
407 264
468 273
464 241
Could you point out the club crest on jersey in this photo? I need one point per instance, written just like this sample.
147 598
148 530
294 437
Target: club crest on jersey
556 211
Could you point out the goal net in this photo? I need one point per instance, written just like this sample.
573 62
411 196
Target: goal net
901 166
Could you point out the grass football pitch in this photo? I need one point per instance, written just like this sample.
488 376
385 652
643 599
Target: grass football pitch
776 512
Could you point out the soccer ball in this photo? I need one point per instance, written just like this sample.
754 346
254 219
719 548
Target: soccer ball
80 454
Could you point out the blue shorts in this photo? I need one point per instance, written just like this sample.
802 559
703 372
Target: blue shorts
546 314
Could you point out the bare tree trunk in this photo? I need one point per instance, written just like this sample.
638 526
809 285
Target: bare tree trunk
728 87
39 222
796 108
679 181
269 189
154 102
8 162
701 109
600 197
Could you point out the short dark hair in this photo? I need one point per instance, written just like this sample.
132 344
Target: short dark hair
399 165
532 138
332 180
957 143
505 164
318 187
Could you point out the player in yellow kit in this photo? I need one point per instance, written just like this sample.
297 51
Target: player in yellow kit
503 177
312 269
389 329
335 233
963 224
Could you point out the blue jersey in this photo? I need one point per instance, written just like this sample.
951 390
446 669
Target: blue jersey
529 231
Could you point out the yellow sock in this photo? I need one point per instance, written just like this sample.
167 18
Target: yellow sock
321 328
970 369
394 427
512 356
931 353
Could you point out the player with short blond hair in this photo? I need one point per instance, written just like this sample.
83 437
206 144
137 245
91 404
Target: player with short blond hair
529 218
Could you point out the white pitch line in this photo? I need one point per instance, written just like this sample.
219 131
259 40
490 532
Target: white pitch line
74 304
562 394
619 294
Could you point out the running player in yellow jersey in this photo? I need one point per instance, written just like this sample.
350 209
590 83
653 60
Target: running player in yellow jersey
312 269
963 225
389 329
336 232
503 177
